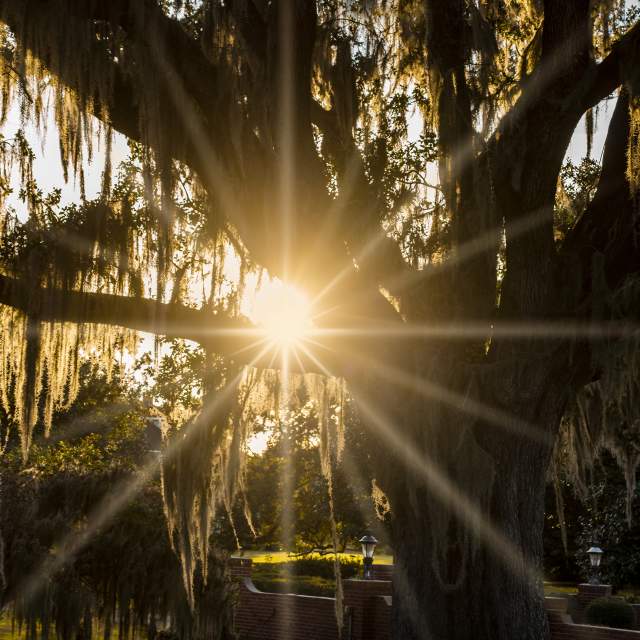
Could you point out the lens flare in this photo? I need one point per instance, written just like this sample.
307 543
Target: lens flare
283 313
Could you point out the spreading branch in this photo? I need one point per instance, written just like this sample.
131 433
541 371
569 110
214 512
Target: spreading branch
222 334
607 76
607 231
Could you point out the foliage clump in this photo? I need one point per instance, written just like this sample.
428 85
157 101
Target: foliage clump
610 612
79 559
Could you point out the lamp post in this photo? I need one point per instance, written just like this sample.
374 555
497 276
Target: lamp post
368 548
595 557
155 429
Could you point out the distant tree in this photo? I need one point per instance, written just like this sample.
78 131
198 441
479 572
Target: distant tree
287 475
125 575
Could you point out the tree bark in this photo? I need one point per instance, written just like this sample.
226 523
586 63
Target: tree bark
468 504
495 600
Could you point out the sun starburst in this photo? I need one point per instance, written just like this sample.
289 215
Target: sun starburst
284 314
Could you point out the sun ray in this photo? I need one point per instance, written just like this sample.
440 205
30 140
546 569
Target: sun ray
112 504
287 518
538 330
444 490
216 173
430 390
296 355
251 347
364 253
316 361
284 331
470 250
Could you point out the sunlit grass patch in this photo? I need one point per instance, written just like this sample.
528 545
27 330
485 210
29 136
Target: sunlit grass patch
284 556
565 588
304 585
6 630
9 632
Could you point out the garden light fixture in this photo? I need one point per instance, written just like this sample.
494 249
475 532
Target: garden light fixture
368 548
595 557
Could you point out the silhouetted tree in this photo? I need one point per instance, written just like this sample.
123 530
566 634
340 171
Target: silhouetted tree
464 316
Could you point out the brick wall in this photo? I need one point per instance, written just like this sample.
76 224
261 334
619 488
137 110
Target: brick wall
364 598
273 616
563 628
382 571
636 611
588 592
382 617
240 567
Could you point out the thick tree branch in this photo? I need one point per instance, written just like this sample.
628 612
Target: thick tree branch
145 23
607 76
188 94
224 335
604 242
527 150
252 27
235 338
566 43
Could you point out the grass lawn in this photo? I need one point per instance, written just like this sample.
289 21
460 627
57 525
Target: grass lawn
269 574
283 556
5 629
560 588
312 575
6 634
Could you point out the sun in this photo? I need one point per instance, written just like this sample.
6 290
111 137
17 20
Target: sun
283 312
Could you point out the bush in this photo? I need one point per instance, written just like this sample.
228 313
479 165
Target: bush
305 585
610 612
323 567
311 566
311 576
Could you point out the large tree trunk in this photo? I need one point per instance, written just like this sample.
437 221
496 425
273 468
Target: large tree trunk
468 510
494 599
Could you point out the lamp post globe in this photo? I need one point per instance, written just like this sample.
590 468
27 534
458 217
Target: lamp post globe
368 549
595 557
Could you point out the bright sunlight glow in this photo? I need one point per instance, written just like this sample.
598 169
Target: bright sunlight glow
283 312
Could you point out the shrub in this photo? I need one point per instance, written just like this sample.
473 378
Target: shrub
323 567
610 612
305 585
311 566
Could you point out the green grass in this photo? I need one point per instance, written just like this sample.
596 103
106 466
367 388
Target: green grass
284 556
279 572
5 629
561 588
6 632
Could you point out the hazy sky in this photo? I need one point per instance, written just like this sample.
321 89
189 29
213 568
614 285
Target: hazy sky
48 167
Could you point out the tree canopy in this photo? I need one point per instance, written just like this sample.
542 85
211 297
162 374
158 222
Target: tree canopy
399 162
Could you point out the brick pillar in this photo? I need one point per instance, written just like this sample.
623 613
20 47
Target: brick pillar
382 571
240 567
588 592
360 600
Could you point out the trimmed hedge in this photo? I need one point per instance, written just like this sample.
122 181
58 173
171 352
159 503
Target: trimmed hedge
610 612
304 585
314 566
309 576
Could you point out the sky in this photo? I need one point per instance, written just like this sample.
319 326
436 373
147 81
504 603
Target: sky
47 166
